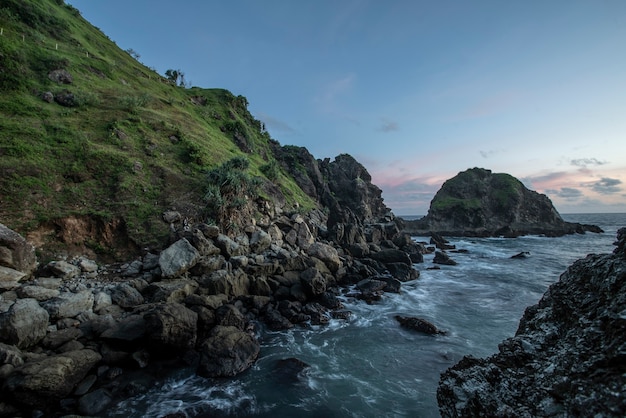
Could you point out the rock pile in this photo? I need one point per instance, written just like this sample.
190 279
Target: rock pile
76 336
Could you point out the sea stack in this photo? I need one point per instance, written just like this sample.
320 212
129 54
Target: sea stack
479 203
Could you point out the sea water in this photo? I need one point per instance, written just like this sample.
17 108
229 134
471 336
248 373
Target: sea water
368 366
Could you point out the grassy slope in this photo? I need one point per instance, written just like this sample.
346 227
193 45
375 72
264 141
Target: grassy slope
132 146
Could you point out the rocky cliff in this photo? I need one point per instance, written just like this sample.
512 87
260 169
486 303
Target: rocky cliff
477 202
568 356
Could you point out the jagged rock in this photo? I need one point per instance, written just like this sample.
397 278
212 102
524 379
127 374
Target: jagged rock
51 378
523 254
402 272
24 324
47 96
276 321
289 371
178 258
229 315
477 202
87 266
327 253
566 358
15 252
418 324
443 258
171 325
227 352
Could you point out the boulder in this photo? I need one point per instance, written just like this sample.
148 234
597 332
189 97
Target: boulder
228 247
15 252
260 242
227 352
68 305
443 258
61 76
63 269
232 284
390 255
418 324
126 296
24 324
171 325
131 328
178 258
170 291
49 379
327 253
10 354
313 282
39 293
10 278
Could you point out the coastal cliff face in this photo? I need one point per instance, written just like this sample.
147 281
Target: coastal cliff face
477 202
567 357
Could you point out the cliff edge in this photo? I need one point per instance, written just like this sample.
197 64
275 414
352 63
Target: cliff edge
477 202
567 358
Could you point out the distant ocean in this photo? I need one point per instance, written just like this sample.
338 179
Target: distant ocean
370 367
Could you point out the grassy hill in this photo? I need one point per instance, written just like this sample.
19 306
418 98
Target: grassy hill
89 133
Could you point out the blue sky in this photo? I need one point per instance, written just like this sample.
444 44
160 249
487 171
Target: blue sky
417 91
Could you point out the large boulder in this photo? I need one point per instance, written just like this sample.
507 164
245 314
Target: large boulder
227 352
327 253
172 325
178 258
566 358
68 304
39 382
477 202
24 324
15 252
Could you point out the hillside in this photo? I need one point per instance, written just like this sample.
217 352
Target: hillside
95 146
477 202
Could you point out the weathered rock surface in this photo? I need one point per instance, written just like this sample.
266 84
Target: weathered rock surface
51 378
178 258
418 324
477 202
567 357
24 324
227 352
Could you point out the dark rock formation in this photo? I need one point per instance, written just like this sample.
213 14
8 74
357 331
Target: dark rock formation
477 202
442 258
418 324
567 358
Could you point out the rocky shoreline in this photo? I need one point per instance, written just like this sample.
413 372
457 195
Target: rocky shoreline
567 357
76 336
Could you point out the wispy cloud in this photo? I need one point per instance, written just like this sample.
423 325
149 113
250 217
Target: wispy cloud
490 153
584 162
388 125
567 193
607 186
329 93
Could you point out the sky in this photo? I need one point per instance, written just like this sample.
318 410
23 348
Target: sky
417 91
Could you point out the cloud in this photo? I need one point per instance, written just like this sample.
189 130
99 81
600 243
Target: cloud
567 193
607 186
330 92
273 124
388 125
489 153
584 162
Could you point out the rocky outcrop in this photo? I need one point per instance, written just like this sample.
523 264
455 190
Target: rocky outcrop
17 258
566 359
201 302
477 202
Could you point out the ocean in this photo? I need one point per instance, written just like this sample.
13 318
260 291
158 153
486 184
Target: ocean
368 366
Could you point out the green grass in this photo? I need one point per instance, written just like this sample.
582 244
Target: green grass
61 161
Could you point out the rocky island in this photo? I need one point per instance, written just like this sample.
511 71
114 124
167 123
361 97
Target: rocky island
479 203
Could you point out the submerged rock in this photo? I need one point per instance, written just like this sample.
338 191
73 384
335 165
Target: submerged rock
419 325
